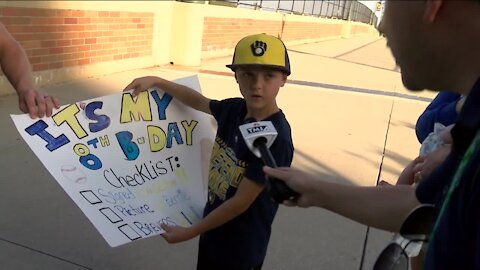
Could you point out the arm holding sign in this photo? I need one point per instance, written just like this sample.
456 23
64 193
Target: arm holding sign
15 65
183 93
246 194
247 190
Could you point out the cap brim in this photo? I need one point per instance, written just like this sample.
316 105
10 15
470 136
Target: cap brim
233 67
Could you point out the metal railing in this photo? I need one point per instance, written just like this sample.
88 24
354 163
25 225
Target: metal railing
335 9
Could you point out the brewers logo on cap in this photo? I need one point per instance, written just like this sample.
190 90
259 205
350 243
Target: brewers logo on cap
258 48
261 49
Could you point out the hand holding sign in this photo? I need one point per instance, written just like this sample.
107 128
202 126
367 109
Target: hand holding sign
176 234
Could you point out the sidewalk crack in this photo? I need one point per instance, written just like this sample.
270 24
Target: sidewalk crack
44 253
365 242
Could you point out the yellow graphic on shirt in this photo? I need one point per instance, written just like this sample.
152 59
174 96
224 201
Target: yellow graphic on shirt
226 170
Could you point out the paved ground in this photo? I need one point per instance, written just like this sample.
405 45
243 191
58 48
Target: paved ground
352 120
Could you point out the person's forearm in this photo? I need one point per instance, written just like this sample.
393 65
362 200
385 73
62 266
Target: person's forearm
186 95
383 207
224 213
16 66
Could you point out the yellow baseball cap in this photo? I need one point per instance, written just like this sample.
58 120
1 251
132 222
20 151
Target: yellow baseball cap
261 49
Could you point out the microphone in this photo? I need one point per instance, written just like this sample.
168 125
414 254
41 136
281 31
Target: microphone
258 137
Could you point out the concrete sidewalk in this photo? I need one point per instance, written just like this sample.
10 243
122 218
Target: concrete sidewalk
350 116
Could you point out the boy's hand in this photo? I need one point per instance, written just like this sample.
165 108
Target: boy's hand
36 103
141 84
176 234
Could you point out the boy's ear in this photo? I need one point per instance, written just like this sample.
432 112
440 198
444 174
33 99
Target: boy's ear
432 8
285 77
235 75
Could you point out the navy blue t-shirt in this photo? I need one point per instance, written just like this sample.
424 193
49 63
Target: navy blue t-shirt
443 109
242 242
456 243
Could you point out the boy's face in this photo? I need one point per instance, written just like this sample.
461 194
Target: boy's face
259 85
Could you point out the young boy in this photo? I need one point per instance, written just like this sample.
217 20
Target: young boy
238 215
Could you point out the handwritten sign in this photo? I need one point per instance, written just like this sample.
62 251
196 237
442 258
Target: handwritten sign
129 163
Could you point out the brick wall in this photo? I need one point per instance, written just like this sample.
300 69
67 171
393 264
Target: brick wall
57 38
224 33
301 30
67 40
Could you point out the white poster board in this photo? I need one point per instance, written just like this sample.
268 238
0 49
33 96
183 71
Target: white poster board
129 163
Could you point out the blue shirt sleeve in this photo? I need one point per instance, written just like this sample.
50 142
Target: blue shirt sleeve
216 108
440 110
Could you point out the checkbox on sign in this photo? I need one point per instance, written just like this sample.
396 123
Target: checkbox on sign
110 214
90 197
129 232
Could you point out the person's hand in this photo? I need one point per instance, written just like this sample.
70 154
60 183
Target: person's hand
36 103
407 177
141 84
408 174
176 234
297 180
428 163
